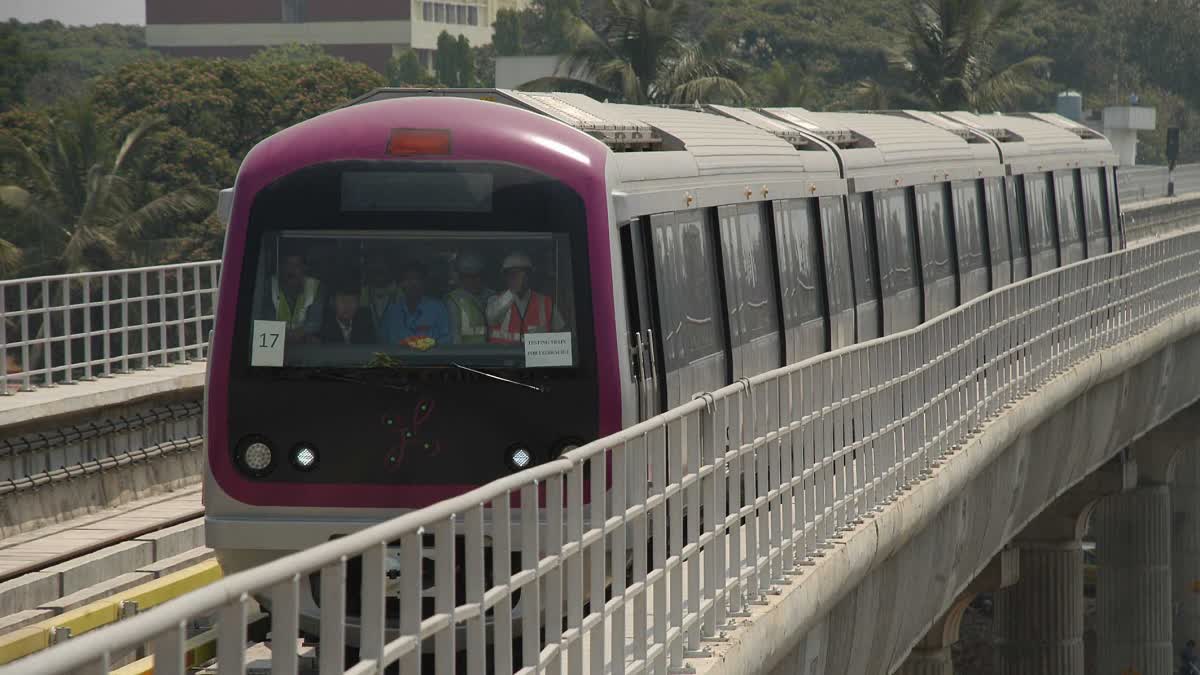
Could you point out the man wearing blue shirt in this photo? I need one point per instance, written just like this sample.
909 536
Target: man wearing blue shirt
417 314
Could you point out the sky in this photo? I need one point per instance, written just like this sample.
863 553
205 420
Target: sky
75 12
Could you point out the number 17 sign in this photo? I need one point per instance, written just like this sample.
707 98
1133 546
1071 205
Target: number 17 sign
268 343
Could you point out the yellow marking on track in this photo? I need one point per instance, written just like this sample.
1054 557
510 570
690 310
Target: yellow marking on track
36 637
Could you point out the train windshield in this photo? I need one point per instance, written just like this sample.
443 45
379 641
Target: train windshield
333 298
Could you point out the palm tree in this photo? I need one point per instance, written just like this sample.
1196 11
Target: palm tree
640 52
82 199
949 55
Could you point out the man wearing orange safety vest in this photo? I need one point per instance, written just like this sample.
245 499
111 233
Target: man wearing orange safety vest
520 309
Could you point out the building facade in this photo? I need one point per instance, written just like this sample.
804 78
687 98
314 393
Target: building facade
371 31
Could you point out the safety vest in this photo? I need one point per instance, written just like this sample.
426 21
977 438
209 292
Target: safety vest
294 316
512 327
472 324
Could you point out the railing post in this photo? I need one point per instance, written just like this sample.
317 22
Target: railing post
181 316
106 299
4 341
164 345
48 329
26 364
87 329
145 322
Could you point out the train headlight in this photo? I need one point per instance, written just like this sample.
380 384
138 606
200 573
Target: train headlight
518 457
255 456
304 457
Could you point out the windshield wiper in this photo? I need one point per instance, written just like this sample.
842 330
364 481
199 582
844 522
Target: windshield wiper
497 377
319 374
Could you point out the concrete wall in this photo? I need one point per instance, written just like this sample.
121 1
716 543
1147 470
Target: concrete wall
863 606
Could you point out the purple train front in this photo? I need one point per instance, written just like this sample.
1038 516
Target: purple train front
428 290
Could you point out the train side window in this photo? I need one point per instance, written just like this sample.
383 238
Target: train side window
999 250
899 277
801 285
1095 212
1043 241
1070 217
1116 227
969 238
838 271
865 261
1018 230
689 297
750 288
938 268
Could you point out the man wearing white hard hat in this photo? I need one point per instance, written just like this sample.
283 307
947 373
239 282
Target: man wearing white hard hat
468 302
520 309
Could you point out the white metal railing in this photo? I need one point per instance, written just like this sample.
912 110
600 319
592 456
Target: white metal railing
76 327
683 520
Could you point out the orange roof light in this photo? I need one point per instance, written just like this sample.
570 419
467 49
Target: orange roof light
405 142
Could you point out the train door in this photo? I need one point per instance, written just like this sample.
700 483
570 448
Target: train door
1095 211
864 260
1070 218
801 284
939 264
999 246
645 349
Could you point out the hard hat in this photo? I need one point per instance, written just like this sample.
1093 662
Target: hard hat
470 263
515 261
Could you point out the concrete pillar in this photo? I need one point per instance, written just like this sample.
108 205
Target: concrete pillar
928 661
1133 593
1038 625
1185 550
932 655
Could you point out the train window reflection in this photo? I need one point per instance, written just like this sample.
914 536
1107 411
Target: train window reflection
416 298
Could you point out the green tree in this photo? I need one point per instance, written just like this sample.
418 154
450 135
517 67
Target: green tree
949 56
17 65
640 51
509 35
82 201
454 62
289 53
405 69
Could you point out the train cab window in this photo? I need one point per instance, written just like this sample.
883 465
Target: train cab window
1039 209
689 303
938 265
1095 212
997 230
1018 230
860 219
424 298
801 284
1070 217
970 238
837 271
899 276
750 289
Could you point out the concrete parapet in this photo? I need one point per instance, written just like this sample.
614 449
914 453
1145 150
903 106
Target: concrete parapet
97 592
172 541
175 563
23 618
28 591
107 563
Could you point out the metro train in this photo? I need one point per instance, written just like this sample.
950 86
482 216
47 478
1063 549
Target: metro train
425 290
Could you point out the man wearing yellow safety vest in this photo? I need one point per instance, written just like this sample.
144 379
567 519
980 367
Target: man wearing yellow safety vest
466 304
520 310
297 298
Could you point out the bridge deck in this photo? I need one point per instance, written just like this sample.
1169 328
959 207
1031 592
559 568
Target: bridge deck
76 399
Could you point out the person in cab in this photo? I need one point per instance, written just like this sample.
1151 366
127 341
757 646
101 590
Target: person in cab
346 321
296 298
467 304
379 290
520 310
416 314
